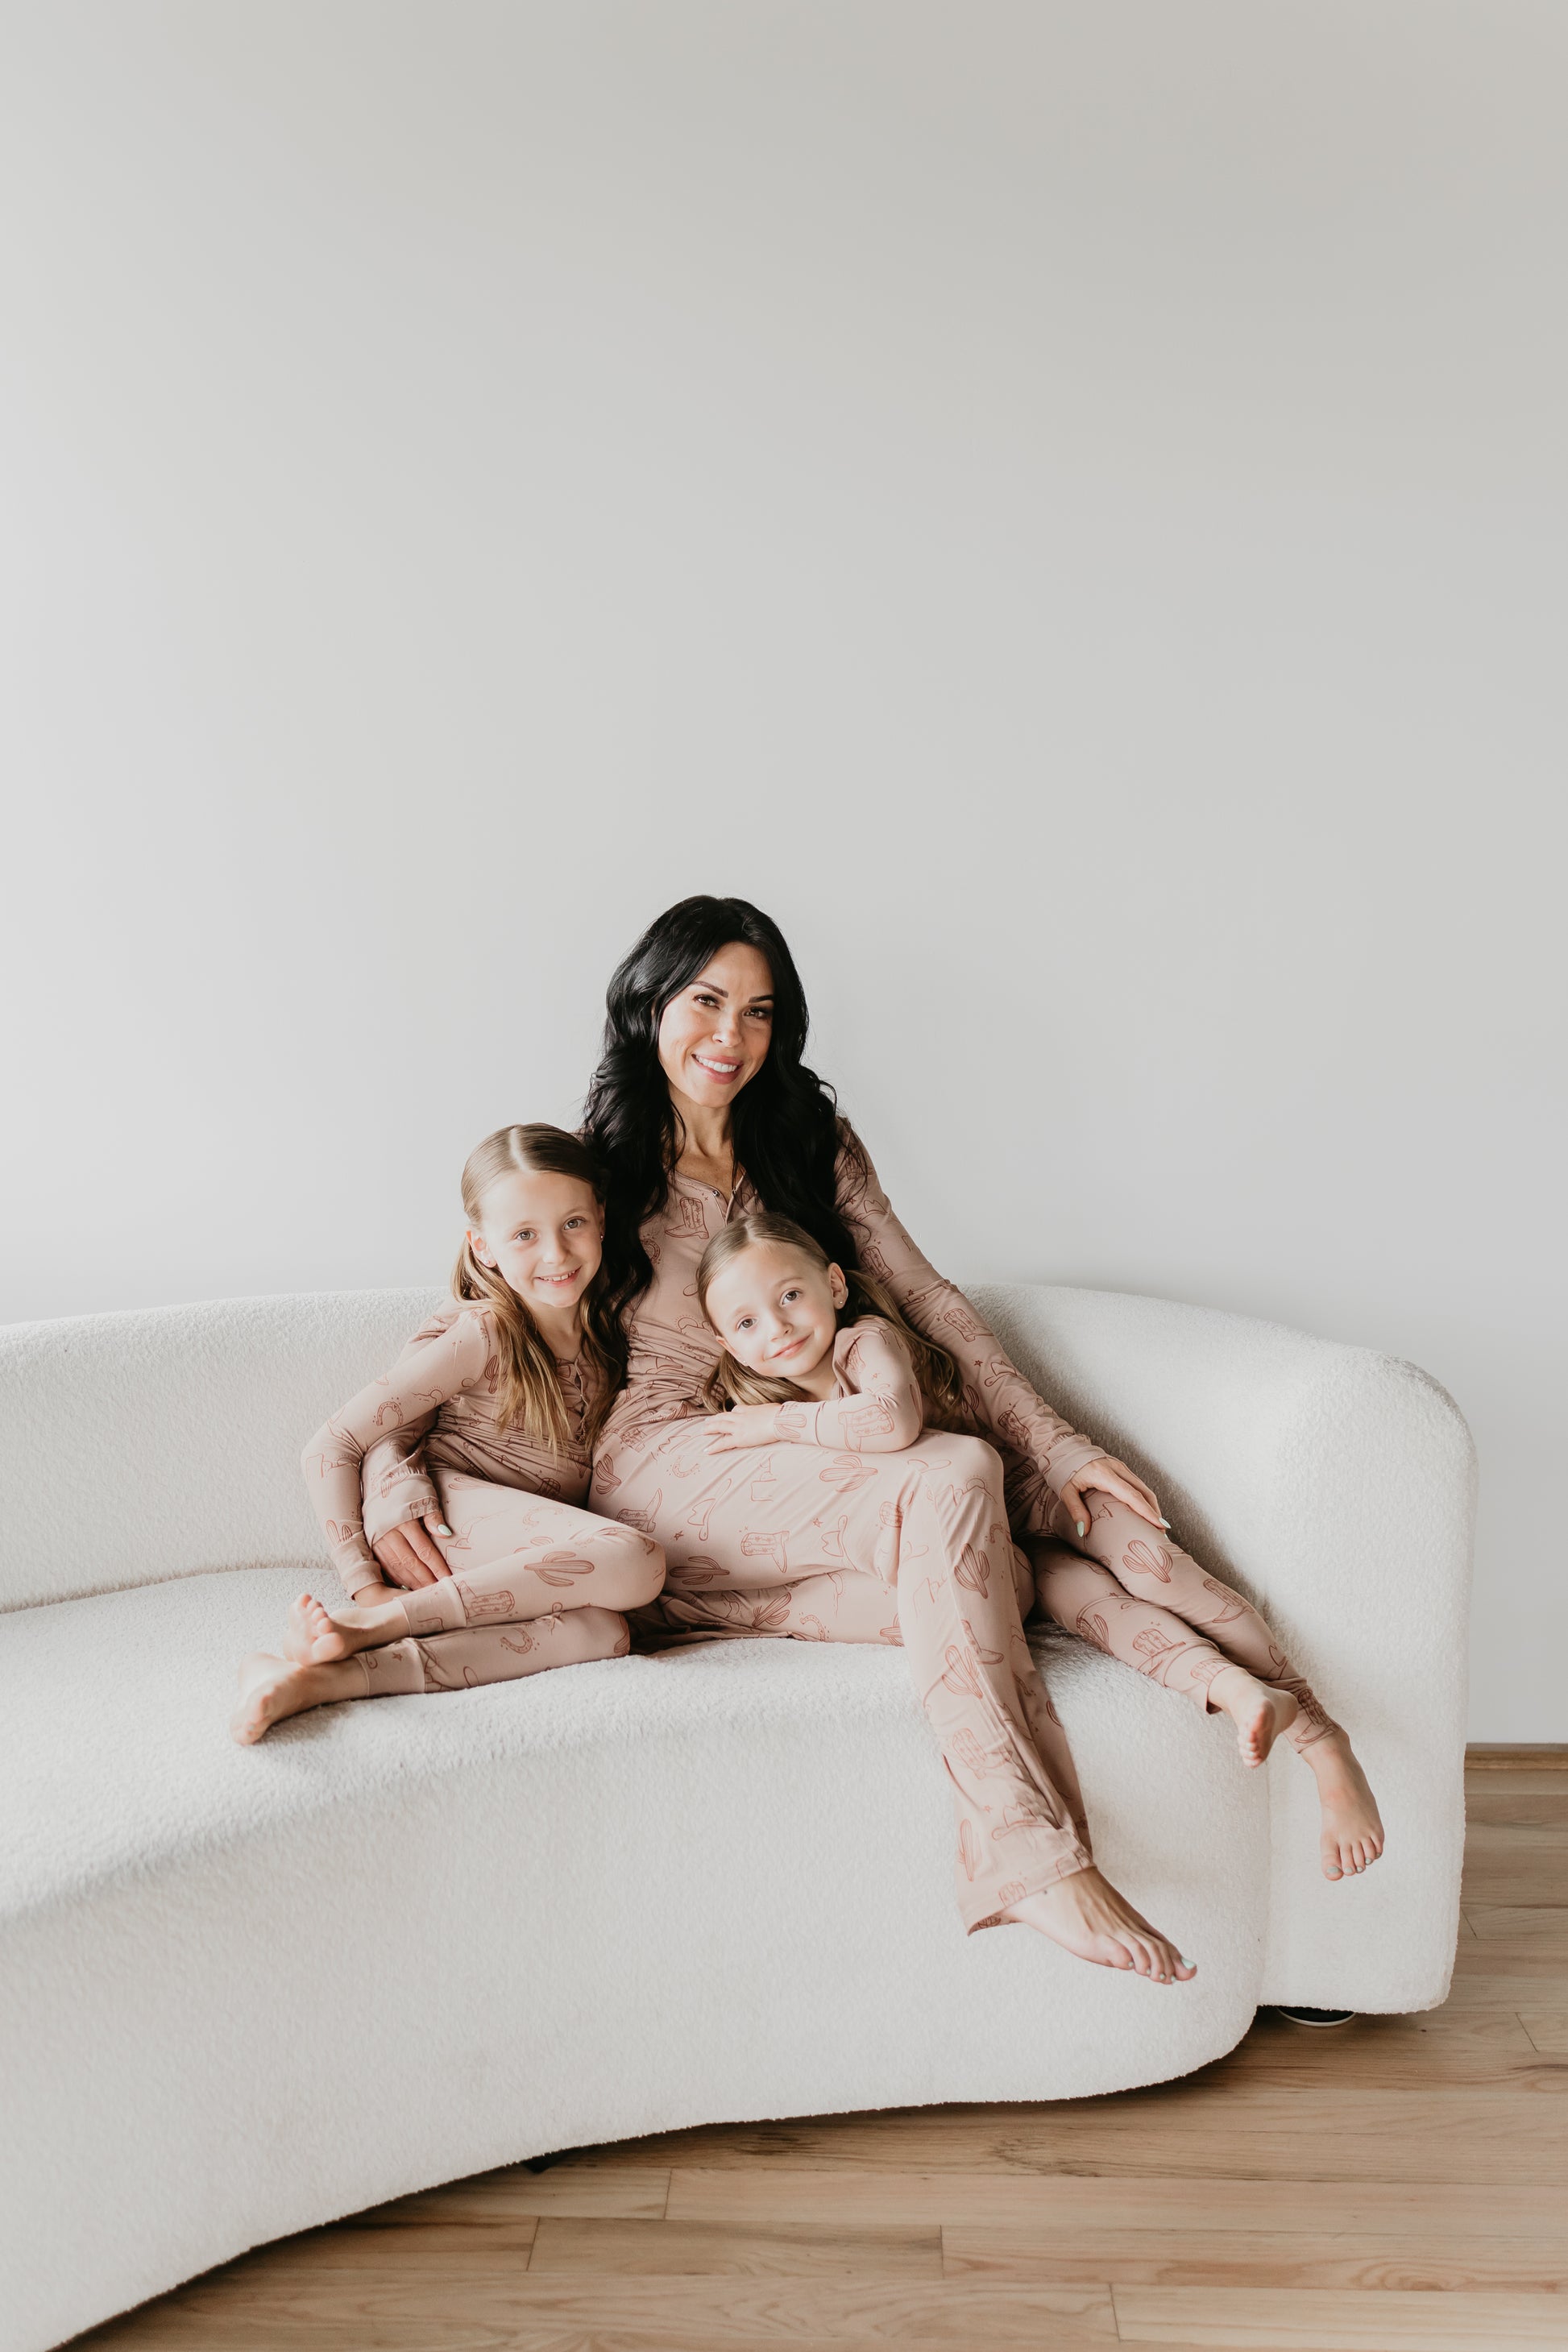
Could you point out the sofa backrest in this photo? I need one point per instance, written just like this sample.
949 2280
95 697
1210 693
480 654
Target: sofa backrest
141 1446
137 1447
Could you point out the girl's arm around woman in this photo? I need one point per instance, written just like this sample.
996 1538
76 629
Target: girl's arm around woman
882 1414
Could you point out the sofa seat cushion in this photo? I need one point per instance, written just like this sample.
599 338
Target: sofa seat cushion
791 1787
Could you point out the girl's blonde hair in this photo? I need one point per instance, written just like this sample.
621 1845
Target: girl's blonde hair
528 1396
730 1383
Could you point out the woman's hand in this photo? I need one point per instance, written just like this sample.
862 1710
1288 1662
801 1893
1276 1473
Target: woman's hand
1106 1476
745 1425
410 1556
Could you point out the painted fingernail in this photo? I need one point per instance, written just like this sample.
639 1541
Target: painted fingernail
1080 1525
1166 1525
442 1528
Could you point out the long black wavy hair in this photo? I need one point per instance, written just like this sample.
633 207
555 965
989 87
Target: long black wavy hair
788 1134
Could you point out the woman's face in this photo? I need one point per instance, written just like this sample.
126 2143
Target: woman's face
713 1037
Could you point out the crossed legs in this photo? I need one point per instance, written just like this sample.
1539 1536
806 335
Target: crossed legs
1134 1593
535 1584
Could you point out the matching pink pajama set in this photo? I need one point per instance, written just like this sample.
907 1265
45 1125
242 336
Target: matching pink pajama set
536 1581
835 1531
854 1522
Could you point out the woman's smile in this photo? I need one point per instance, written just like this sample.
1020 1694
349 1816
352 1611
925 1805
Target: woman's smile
714 1035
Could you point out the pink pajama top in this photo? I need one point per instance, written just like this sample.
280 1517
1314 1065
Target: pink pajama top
673 1348
436 1403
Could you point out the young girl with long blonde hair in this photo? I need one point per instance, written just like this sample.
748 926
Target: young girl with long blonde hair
815 1356
506 1386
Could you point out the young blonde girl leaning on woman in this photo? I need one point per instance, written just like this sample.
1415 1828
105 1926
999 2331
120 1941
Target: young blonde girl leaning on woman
510 1380
815 1358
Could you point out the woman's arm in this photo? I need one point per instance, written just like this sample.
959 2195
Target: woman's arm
1001 1399
883 1413
438 1361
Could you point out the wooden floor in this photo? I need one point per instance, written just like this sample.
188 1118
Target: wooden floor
1401 2182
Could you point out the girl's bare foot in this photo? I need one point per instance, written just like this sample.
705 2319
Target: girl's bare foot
273 1689
317 1635
1087 1916
1352 1837
1259 1712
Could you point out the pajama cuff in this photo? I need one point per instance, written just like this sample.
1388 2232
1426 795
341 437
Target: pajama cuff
1064 1463
1065 1864
413 1497
356 1569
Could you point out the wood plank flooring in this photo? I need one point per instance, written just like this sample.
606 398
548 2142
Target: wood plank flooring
1398 2185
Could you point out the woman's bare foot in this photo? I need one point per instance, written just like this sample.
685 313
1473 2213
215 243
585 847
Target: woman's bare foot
1259 1712
270 1689
1352 1837
318 1635
1087 1916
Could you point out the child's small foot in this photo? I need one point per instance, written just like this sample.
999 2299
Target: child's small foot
272 1689
1352 1837
318 1635
1259 1712
1087 1916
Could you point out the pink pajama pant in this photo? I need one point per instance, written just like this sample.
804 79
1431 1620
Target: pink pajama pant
912 1547
1142 1599
534 1583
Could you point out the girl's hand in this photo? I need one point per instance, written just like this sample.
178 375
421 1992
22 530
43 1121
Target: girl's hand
410 1554
743 1427
1106 1476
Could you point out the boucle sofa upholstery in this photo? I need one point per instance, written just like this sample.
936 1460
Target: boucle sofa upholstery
639 1894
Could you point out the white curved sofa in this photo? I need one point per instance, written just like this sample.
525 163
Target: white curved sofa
648 1893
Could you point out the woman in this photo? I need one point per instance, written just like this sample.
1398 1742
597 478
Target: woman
702 1106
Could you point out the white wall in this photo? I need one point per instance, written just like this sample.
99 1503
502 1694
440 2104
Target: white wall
1063 505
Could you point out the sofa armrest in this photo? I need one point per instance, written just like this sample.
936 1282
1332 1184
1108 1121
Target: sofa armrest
1336 1487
